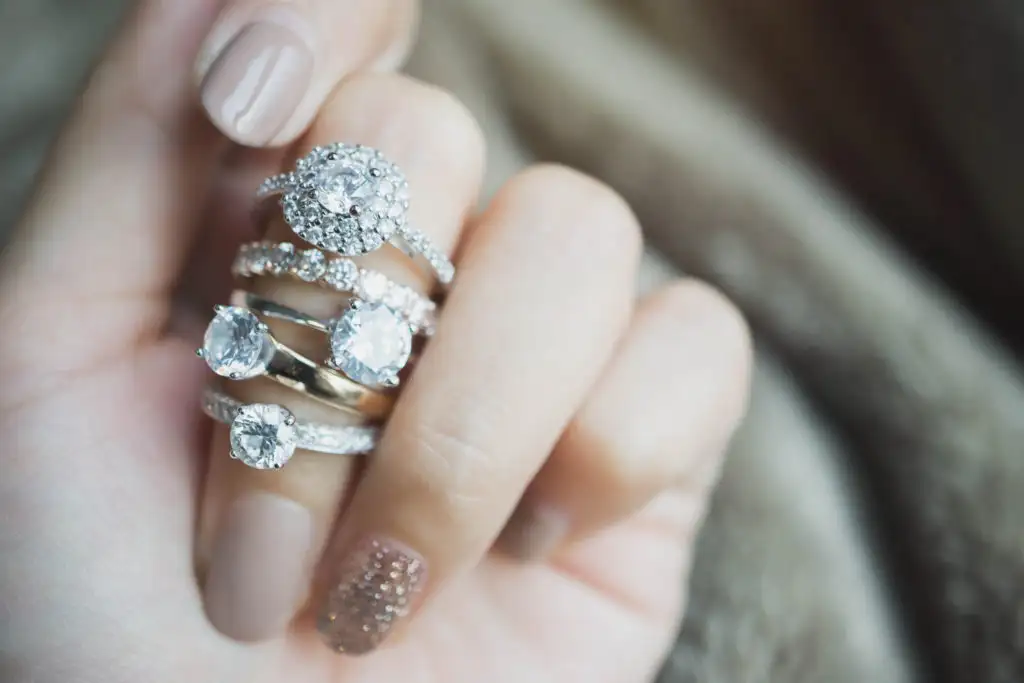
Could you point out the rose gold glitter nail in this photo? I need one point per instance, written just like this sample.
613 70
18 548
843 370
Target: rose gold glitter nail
374 590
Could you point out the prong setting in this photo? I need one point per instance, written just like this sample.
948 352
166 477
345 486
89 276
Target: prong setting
370 343
237 345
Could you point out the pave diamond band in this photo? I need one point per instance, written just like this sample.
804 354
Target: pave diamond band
239 346
350 200
340 274
265 436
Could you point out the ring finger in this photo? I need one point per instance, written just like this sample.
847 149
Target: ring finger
261 531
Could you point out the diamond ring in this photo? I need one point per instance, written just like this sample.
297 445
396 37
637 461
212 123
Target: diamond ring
265 435
370 343
349 199
338 274
239 346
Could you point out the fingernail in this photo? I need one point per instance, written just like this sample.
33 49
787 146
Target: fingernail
534 532
373 592
257 81
260 567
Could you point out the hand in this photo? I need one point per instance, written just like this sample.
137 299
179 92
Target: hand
549 413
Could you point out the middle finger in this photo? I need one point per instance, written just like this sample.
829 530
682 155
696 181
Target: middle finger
544 291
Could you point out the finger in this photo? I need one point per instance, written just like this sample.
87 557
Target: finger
268 65
544 290
658 419
439 148
101 243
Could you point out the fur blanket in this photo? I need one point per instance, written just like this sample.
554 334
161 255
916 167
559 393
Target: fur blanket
846 172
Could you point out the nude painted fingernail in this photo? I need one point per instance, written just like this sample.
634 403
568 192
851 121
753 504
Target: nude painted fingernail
257 81
372 593
534 532
260 567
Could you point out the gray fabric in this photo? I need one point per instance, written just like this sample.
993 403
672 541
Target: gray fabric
847 173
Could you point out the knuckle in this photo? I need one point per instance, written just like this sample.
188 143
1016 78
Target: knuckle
454 469
693 298
612 464
594 213
721 319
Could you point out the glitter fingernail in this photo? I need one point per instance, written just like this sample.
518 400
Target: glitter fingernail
374 590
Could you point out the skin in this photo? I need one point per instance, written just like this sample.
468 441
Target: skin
109 473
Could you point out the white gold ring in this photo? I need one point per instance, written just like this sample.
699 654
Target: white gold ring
350 200
238 345
340 274
266 435
369 343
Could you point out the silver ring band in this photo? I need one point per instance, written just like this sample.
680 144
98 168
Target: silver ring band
338 274
271 309
351 335
238 346
350 200
265 436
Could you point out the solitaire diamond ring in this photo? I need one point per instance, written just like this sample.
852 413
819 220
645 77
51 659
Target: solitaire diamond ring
265 435
339 274
349 199
238 345
369 342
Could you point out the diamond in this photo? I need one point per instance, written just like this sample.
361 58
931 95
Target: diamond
258 260
399 298
342 274
263 436
280 258
371 344
343 184
311 265
339 195
373 286
236 344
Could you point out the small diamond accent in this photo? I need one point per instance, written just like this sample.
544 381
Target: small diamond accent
342 275
280 258
372 286
236 344
371 344
311 265
263 436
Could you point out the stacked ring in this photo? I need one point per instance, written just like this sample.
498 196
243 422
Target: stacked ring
250 424
238 345
369 342
346 200
338 274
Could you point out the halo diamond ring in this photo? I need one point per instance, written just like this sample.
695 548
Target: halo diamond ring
349 199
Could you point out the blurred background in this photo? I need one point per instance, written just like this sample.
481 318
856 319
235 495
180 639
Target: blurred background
849 173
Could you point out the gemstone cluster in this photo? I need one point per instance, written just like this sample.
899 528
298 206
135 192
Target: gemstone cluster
347 199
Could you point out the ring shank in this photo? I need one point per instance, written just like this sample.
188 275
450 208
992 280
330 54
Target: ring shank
320 438
295 371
